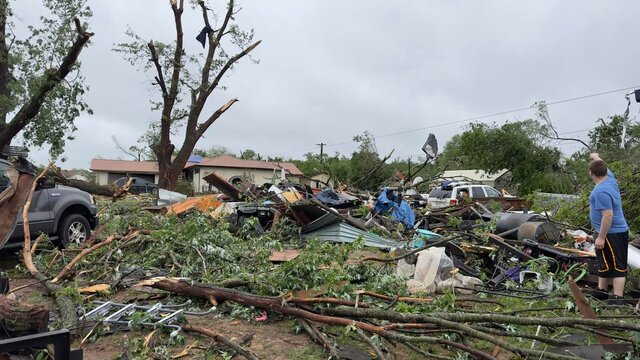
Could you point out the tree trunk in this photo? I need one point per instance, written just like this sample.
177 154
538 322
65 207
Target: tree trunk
5 91
10 205
20 318
95 189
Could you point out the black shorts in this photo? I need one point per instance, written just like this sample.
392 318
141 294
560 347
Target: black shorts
612 260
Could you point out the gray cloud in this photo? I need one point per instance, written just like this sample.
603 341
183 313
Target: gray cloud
330 70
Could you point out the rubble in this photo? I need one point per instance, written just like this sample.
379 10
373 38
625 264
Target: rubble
396 272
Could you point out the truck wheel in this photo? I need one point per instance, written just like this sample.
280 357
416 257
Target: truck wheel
74 228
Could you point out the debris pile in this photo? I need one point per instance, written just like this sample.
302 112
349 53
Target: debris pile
481 277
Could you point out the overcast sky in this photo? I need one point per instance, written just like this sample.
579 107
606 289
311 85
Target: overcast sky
331 69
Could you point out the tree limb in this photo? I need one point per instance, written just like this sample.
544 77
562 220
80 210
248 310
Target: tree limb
228 65
79 257
49 80
320 338
26 249
371 344
159 77
543 114
478 318
121 148
202 128
213 44
246 353
66 306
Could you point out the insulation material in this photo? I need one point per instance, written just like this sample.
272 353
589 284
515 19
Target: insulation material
435 272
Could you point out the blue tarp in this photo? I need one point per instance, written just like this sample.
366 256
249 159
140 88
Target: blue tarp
400 210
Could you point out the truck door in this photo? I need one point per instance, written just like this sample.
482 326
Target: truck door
39 216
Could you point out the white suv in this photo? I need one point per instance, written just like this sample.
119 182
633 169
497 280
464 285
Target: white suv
451 193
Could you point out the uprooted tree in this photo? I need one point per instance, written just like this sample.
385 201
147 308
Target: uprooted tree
41 88
179 76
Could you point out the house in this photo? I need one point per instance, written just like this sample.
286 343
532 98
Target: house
317 181
236 170
74 174
498 180
230 168
107 171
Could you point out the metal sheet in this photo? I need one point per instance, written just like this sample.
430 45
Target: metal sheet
321 222
344 233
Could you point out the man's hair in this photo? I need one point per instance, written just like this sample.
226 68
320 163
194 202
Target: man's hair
598 168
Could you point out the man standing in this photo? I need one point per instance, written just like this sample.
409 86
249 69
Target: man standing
612 231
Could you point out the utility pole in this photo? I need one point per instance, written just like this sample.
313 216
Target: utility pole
321 151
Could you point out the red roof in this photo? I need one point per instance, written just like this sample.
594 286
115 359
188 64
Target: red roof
234 162
151 167
124 166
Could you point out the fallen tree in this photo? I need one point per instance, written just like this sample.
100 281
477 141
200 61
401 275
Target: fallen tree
66 305
20 318
365 320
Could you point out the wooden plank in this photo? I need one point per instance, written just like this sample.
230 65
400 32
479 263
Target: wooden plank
276 219
283 256
586 310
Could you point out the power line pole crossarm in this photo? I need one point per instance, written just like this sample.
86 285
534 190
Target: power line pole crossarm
321 152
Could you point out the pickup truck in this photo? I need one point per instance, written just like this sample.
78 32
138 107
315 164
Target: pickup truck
64 213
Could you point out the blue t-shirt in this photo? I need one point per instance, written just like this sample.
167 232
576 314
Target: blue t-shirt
606 196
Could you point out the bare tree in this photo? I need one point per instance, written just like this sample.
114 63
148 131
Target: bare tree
137 153
177 80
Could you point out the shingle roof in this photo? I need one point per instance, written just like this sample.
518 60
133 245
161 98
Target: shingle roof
233 162
125 166
151 167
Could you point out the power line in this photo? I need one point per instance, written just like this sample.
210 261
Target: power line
476 118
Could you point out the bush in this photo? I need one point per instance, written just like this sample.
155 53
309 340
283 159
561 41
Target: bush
184 187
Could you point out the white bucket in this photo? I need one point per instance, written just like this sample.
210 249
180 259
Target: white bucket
633 259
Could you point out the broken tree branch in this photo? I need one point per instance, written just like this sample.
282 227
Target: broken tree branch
477 318
320 338
371 344
277 304
26 250
160 76
248 354
35 243
48 81
82 254
66 306
414 251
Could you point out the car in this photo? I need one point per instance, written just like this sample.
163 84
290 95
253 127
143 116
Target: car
64 213
138 185
453 192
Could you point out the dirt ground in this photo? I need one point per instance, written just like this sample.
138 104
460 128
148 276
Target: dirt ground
273 339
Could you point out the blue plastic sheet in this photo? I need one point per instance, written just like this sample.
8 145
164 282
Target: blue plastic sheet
400 210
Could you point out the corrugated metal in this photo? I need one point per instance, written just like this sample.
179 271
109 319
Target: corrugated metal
344 233
322 222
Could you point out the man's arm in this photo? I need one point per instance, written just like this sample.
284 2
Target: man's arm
605 225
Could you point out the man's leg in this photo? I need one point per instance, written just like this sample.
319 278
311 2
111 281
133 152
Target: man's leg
618 285
603 283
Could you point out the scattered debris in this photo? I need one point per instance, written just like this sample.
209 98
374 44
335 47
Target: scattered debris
395 271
